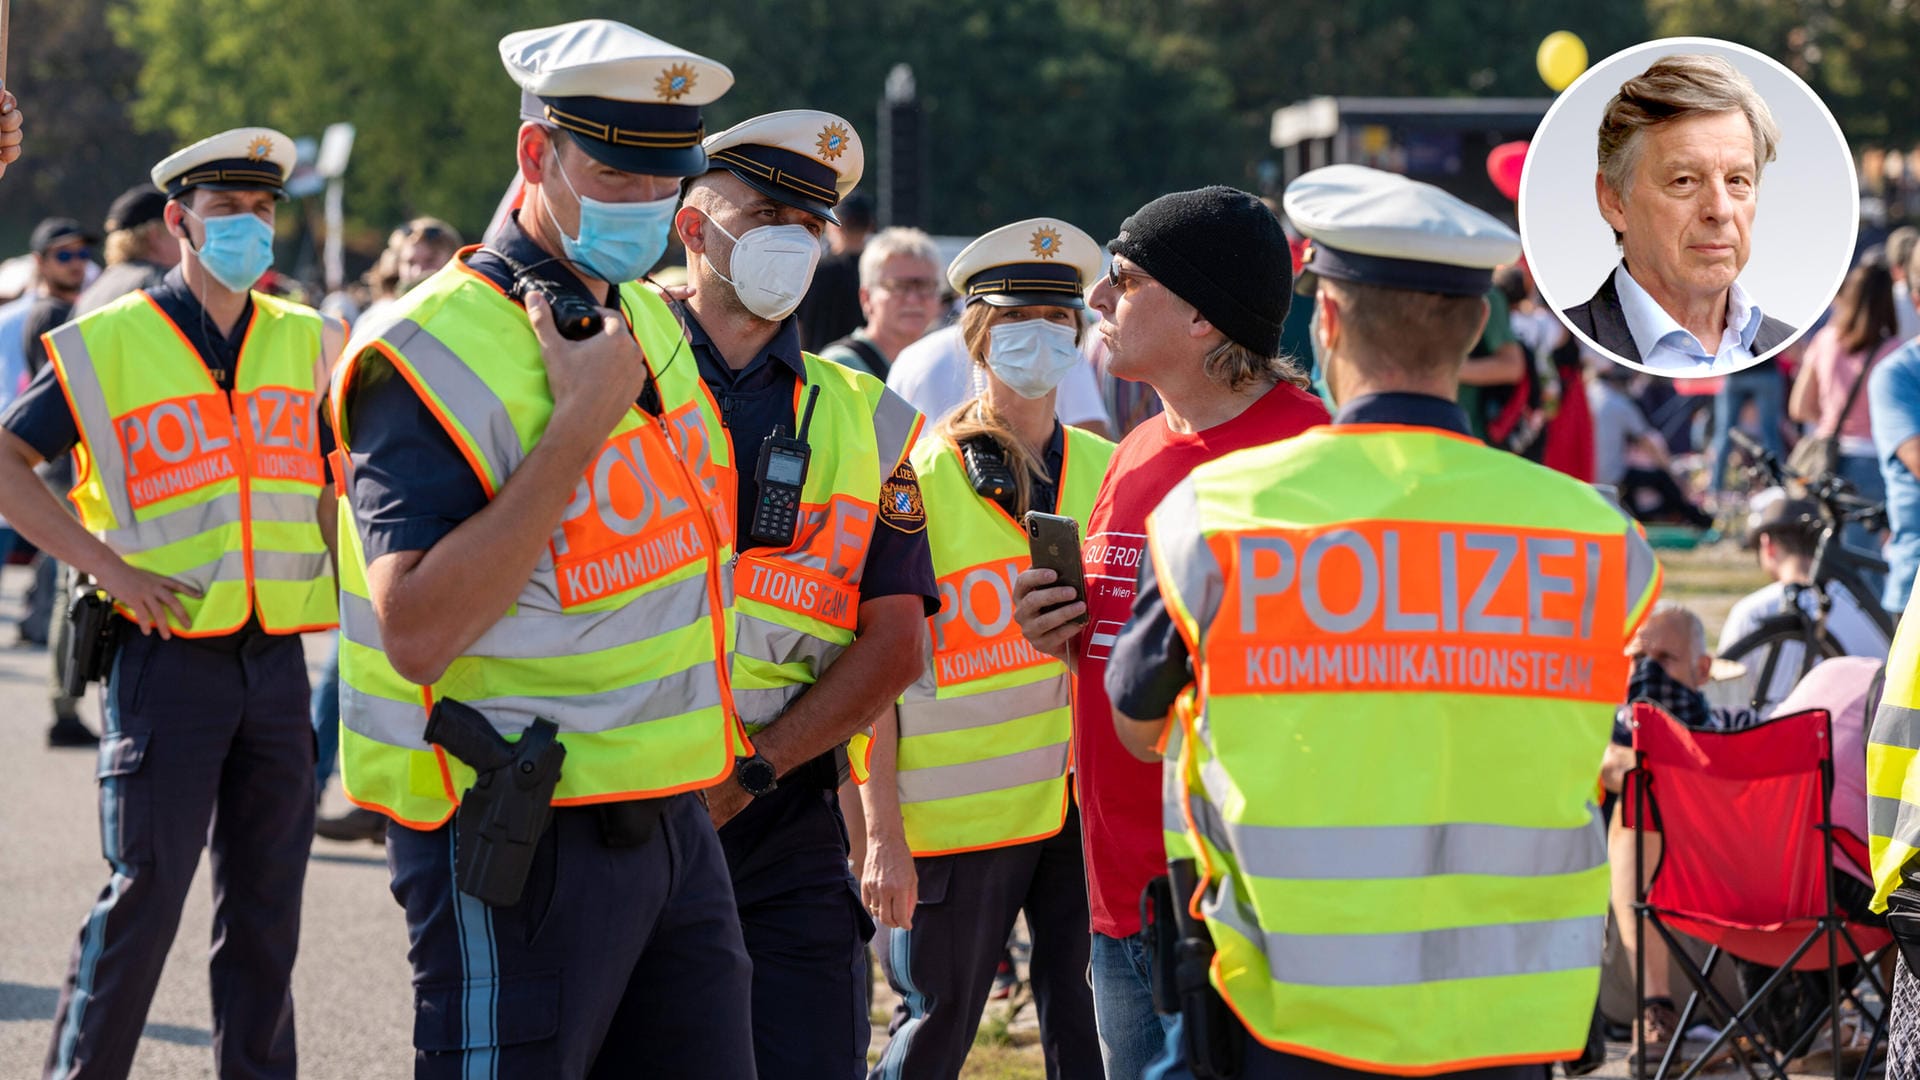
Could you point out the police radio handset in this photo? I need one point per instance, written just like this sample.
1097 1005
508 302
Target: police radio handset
780 479
1054 542
576 319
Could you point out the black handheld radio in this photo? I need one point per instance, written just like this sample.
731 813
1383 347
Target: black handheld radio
987 468
576 319
781 477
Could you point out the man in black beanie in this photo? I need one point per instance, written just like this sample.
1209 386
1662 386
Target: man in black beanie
1192 306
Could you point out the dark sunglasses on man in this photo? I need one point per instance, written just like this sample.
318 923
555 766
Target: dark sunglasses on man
67 255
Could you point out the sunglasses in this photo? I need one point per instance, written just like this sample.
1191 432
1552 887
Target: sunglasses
1121 279
70 254
911 286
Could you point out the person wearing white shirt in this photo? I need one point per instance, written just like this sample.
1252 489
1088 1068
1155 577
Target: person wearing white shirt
1787 534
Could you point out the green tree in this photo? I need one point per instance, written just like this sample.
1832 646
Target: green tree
82 149
1032 106
1857 54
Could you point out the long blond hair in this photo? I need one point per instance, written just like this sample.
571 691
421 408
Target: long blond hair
976 416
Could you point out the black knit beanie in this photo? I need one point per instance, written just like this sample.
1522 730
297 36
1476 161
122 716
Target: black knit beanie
1220 250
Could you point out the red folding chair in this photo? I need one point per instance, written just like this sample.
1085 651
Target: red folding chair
1748 868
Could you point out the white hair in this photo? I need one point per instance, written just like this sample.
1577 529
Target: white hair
887 243
1696 630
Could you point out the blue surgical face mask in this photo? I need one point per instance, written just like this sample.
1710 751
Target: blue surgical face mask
618 242
238 248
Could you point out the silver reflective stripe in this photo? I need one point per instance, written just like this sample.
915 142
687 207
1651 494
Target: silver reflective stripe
1380 852
1195 574
978 777
358 622
396 723
1170 817
291 566
230 566
284 506
921 716
532 635
894 423
776 644
1641 567
182 524
401 723
1469 952
96 423
464 392
1208 821
683 692
759 708
1894 820
1896 725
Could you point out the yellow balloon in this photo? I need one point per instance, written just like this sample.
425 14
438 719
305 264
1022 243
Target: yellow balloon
1562 57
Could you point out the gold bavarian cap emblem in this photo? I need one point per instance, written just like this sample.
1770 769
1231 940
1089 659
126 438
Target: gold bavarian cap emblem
1045 242
834 140
675 82
259 149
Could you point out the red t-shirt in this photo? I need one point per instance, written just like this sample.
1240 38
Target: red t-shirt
1119 794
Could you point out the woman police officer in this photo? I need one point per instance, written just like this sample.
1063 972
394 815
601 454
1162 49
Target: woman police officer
970 811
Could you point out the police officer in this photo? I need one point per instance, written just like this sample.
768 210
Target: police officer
1406 649
206 513
534 535
834 580
1893 818
970 816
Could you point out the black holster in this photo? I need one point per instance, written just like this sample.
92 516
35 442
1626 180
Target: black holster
1182 951
93 639
1903 916
505 813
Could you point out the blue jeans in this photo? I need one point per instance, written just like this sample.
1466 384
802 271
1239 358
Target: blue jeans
1132 1035
326 721
1761 385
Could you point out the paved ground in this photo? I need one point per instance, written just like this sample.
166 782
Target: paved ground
352 981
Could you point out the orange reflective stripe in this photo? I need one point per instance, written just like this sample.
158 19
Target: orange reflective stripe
1402 605
974 635
795 588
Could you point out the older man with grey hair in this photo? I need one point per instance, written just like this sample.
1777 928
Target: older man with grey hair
899 295
1681 150
1900 245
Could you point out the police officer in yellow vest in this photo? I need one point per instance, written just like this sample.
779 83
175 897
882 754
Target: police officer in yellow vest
206 513
535 535
833 585
1893 817
1406 649
970 814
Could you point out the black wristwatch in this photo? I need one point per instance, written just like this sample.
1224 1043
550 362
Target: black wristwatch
756 774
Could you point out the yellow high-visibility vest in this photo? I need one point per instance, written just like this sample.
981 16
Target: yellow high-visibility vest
985 732
218 489
1408 649
1893 784
796 608
618 635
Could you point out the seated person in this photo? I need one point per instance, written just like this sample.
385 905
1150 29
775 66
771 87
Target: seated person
1670 665
1842 685
1631 456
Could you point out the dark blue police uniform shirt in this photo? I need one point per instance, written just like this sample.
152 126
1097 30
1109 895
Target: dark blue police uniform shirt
40 416
1149 668
759 397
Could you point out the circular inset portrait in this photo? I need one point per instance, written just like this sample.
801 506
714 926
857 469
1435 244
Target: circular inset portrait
1689 207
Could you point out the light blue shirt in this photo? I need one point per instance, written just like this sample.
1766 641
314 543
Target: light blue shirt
1893 398
1670 349
13 347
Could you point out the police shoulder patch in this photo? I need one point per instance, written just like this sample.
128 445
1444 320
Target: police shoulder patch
900 502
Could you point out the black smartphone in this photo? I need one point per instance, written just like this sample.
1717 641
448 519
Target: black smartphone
1054 542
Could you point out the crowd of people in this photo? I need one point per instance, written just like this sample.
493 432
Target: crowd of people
736 580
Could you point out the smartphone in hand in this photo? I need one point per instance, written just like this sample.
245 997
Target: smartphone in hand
1054 542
